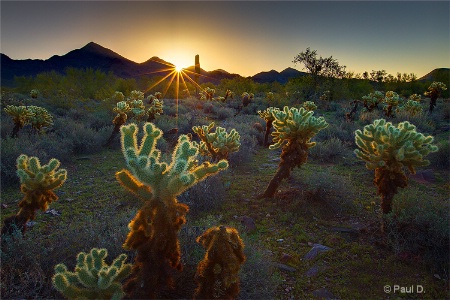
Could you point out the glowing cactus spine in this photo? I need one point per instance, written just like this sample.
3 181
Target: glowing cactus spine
388 149
219 144
37 183
294 129
153 231
434 92
218 273
93 278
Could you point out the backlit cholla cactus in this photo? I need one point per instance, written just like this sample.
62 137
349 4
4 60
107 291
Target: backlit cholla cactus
434 92
150 99
20 115
294 129
122 108
246 98
37 183
372 100
207 93
34 93
158 95
229 93
154 229
118 97
270 96
39 118
136 95
309 105
267 115
156 108
219 98
137 109
218 273
391 101
219 144
388 149
413 107
93 278
415 97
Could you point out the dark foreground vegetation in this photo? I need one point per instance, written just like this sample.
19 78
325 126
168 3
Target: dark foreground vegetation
317 234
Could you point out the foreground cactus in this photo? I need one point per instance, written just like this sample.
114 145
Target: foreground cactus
294 129
153 231
219 144
388 149
218 273
93 278
37 183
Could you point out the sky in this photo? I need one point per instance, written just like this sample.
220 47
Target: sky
244 37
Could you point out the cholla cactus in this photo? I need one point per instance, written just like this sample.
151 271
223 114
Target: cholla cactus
326 96
207 93
434 92
39 118
158 95
219 144
294 129
153 231
415 97
118 96
388 149
156 108
267 115
309 105
229 93
34 93
391 101
136 95
37 183
413 107
246 98
219 98
93 278
372 100
21 116
151 98
270 96
137 109
218 273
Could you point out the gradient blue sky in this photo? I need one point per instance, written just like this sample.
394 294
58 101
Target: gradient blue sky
239 37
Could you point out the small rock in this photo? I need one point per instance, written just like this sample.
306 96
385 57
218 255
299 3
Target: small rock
52 212
316 250
30 224
323 293
284 267
4 206
280 240
437 276
285 258
312 272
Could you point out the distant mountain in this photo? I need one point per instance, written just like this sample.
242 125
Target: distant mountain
272 75
440 74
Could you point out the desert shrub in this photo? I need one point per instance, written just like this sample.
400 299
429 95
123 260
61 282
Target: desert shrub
206 196
249 140
418 227
441 158
343 131
209 108
421 120
225 113
98 119
331 151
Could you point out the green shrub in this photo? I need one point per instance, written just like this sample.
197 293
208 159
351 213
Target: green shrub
331 151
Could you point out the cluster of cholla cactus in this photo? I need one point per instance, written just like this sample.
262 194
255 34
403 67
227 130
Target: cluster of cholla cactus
207 94
217 274
154 229
37 182
309 105
34 93
293 130
92 278
412 107
267 116
37 117
434 91
246 98
372 100
218 144
388 149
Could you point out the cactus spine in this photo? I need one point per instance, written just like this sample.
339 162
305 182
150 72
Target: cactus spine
294 129
217 273
387 149
37 183
267 115
153 231
93 278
